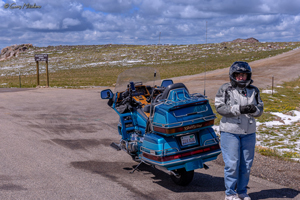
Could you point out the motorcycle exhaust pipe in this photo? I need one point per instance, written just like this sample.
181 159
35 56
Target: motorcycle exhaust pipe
115 146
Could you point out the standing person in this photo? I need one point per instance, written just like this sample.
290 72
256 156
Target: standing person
238 102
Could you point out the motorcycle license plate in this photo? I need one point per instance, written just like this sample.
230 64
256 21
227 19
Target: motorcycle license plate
188 139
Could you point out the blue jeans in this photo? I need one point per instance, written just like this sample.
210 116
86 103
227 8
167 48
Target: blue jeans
238 154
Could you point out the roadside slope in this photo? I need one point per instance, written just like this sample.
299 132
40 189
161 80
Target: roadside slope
283 67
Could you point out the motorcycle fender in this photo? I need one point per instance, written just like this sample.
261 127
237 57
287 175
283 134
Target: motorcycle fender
196 164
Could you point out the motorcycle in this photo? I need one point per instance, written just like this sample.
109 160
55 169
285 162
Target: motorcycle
161 124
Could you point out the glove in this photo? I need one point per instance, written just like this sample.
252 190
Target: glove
247 109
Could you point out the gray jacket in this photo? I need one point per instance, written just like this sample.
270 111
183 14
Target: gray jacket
227 103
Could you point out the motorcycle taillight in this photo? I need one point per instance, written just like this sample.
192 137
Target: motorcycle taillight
181 155
183 128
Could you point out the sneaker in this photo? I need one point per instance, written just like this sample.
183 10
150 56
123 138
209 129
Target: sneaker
232 197
244 196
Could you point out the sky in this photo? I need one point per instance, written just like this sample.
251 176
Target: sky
142 22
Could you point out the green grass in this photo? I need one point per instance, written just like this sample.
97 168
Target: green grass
69 65
268 152
285 99
287 156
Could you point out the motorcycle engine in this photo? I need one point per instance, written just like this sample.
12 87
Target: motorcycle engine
132 146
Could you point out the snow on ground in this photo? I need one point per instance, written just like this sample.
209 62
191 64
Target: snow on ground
115 62
285 119
268 91
282 135
12 67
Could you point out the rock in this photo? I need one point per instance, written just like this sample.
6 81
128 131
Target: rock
249 40
13 50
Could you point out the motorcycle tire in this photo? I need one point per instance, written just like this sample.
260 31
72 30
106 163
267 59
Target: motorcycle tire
184 177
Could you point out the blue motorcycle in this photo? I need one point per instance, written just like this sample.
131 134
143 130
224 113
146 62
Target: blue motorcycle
162 124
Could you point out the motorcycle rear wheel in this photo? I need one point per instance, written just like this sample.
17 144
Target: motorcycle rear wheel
183 178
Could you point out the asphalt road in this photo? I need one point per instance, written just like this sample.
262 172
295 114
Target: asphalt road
54 144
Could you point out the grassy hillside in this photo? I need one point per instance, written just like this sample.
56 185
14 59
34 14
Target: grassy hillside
99 65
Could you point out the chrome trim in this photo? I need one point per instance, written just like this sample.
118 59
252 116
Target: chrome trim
144 148
209 116
185 160
189 113
166 151
156 152
214 139
175 103
183 134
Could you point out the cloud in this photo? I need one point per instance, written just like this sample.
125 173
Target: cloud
142 21
111 6
280 6
67 22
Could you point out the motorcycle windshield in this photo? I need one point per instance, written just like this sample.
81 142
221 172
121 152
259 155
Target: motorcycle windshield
144 75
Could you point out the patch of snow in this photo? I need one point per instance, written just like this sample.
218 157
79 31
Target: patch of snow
285 119
114 62
98 63
134 61
267 140
288 119
268 91
12 67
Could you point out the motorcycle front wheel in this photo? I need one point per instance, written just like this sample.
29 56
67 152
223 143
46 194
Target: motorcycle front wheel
183 178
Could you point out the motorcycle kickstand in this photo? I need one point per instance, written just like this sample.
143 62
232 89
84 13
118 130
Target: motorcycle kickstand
136 167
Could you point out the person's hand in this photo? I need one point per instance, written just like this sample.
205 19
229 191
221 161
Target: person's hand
247 109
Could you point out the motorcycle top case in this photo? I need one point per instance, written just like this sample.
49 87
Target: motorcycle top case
182 113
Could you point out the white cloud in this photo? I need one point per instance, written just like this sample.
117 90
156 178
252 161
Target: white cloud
74 6
265 8
70 22
43 25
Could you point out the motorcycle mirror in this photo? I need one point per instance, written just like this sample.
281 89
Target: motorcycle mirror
106 94
132 87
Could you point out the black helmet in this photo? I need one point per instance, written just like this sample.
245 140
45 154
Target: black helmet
240 67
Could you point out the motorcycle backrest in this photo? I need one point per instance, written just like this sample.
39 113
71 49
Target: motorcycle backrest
178 94
107 94
166 92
